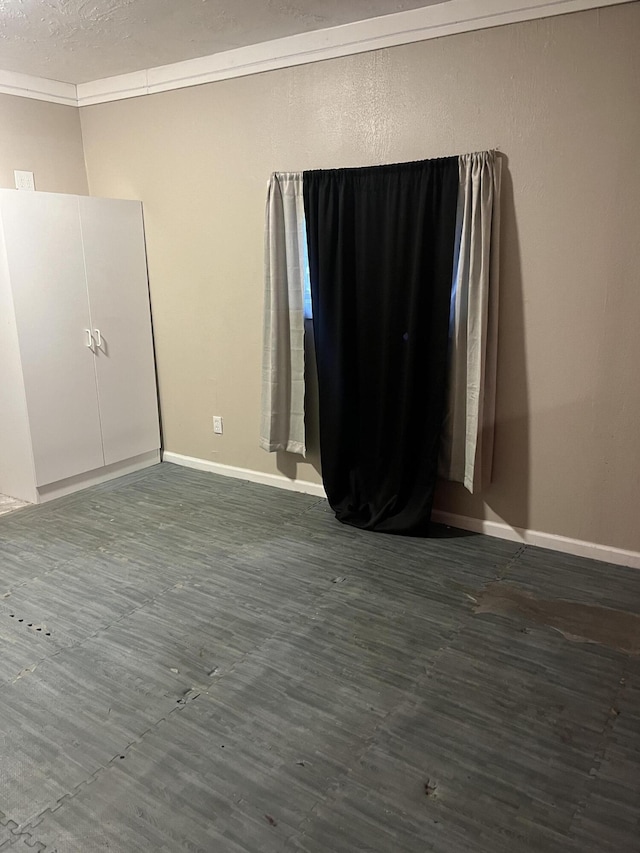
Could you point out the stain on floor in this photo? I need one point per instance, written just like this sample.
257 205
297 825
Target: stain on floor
582 623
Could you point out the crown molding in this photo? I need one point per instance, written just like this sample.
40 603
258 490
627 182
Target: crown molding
442 19
38 88
118 88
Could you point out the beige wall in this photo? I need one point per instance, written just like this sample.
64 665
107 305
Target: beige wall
44 139
560 98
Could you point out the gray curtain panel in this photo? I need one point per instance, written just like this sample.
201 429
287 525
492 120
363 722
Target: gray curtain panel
467 441
282 421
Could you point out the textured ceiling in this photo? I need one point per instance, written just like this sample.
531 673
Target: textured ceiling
80 40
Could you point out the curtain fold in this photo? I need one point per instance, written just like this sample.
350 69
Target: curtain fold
468 430
381 243
283 386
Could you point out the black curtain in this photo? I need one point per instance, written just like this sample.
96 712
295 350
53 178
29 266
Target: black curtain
381 244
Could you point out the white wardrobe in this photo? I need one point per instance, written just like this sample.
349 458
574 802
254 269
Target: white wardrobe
78 398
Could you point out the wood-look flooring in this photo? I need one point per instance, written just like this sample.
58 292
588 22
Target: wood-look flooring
192 663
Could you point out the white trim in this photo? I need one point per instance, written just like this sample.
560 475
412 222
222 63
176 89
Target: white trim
114 88
38 88
100 475
564 544
429 22
277 480
553 541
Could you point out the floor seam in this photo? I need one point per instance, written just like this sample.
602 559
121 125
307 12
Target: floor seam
26 829
104 628
510 563
407 702
375 682
79 643
193 694
599 752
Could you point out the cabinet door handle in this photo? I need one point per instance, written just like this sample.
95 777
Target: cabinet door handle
89 339
98 338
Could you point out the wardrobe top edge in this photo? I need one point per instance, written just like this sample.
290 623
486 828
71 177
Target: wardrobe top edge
5 191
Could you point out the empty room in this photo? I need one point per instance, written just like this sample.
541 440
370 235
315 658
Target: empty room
319 444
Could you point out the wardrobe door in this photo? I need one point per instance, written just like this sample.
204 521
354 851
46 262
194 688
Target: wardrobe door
115 260
46 269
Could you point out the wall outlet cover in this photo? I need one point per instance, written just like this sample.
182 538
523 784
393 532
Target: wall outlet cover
24 180
217 424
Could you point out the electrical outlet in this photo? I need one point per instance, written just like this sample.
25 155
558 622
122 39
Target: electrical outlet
217 424
24 180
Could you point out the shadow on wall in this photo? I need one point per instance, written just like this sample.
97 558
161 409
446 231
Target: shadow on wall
508 493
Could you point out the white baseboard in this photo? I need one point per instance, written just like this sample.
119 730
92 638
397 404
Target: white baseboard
500 530
565 544
277 480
